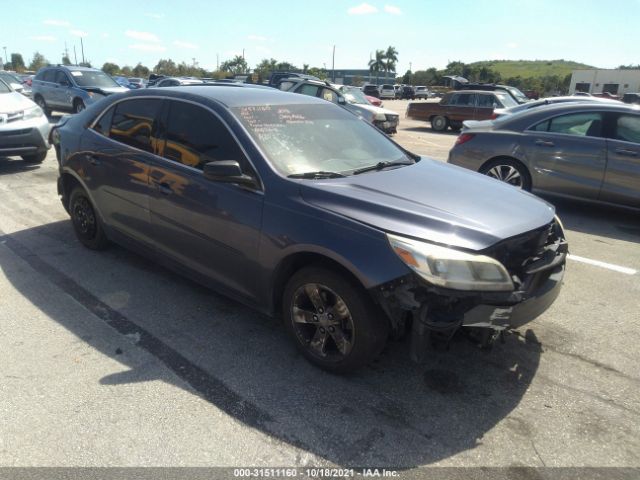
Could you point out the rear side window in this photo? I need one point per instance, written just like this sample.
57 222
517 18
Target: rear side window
628 128
49 76
196 137
579 124
311 90
487 101
463 100
133 122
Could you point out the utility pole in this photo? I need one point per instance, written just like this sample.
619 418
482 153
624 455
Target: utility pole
82 49
5 55
217 62
333 65
75 57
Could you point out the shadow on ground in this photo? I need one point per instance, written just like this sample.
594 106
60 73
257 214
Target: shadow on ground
392 413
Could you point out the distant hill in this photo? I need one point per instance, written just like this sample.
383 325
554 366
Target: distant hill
531 68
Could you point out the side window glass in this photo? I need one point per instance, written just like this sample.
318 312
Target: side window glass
453 100
285 85
486 101
49 76
463 100
133 123
580 124
328 95
628 128
196 137
61 78
311 90
542 126
103 125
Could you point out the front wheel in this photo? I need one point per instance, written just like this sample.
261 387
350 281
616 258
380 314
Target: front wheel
43 105
509 171
439 123
78 106
332 321
86 223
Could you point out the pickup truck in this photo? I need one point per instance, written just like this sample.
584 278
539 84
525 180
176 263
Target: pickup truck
456 107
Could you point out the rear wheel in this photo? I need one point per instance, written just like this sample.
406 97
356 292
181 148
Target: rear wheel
509 171
78 105
86 223
439 123
37 158
332 321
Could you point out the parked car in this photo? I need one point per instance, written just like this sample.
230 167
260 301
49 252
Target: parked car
351 98
24 128
282 201
137 82
175 82
631 98
376 102
71 88
456 107
123 82
499 112
16 83
387 91
275 77
407 93
371 90
515 93
582 150
422 92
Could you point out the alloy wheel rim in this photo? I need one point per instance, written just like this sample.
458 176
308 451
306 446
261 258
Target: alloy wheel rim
84 218
507 174
322 322
79 107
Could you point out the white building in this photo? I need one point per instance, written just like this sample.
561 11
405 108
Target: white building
615 82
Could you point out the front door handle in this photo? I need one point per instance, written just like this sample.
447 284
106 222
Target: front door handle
163 187
628 153
93 160
544 143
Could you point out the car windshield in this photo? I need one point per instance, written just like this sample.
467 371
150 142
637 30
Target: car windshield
354 95
93 78
4 88
9 77
521 97
298 139
506 99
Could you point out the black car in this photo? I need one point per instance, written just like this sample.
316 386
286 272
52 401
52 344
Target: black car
631 98
406 92
296 207
276 77
371 90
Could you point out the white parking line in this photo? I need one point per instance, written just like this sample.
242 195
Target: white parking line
598 263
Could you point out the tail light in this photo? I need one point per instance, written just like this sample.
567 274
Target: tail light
464 138
493 116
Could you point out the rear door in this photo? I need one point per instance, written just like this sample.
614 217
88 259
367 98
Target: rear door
461 107
485 104
622 177
568 154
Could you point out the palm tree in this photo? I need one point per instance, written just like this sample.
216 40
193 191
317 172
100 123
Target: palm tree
377 64
390 59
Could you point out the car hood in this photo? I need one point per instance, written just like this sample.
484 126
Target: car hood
432 201
13 102
105 91
374 109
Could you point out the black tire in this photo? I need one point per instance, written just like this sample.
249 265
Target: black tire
508 170
86 224
78 105
344 331
43 105
37 158
439 123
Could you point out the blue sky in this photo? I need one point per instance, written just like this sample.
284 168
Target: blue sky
426 33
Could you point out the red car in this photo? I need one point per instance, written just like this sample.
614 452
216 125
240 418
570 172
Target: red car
376 102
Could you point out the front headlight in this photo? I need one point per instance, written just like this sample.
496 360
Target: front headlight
33 112
449 268
380 117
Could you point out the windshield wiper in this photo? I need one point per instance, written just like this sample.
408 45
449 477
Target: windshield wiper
382 165
318 175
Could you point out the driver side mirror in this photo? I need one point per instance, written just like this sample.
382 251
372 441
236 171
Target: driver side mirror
227 171
342 100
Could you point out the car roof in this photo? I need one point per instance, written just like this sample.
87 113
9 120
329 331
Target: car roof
484 92
233 95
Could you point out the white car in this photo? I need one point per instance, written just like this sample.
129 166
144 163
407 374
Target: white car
387 91
385 120
423 92
24 128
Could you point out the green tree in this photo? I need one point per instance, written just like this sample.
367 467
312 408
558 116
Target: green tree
377 64
17 62
66 60
390 59
235 66
38 61
286 66
126 71
140 71
321 73
166 67
110 68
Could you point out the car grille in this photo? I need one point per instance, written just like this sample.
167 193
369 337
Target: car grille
11 133
517 253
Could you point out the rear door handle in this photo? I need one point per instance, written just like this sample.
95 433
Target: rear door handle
544 143
93 160
628 153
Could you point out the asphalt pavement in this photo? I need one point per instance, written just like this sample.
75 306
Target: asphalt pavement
110 360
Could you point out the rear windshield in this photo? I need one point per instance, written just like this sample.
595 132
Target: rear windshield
387 86
93 78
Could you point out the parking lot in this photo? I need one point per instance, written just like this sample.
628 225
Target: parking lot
110 360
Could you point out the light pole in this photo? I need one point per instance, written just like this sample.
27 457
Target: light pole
333 65
6 61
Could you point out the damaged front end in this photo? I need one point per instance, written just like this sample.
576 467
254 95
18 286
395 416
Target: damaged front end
515 281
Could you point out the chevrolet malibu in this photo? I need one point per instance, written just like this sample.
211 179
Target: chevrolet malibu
294 206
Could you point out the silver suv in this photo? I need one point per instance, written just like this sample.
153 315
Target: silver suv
69 88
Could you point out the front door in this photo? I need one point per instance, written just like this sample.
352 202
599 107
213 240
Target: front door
568 154
622 179
211 228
